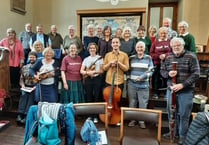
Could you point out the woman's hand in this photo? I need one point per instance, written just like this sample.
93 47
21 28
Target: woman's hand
162 56
65 86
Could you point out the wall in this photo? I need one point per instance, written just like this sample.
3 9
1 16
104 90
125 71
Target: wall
12 19
63 12
195 12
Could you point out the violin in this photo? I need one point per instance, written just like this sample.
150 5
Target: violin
112 95
42 75
91 67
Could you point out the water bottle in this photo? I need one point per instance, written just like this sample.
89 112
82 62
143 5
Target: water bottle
202 105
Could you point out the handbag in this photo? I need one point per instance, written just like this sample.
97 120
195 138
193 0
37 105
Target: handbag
48 131
89 132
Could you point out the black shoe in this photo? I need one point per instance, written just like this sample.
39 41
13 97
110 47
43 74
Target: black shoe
181 141
155 96
23 120
19 118
167 135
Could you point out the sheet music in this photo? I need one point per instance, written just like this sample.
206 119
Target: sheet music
27 89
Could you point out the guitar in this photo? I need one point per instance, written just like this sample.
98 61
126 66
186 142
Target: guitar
91 67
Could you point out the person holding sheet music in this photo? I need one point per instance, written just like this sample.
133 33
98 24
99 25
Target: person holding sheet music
26 81
91 69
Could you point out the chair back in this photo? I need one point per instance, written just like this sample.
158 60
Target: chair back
140 114
91 109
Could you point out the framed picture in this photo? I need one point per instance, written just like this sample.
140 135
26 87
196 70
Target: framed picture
199 48
116 18
18 6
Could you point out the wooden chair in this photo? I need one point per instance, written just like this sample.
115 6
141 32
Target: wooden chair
139 114
90 109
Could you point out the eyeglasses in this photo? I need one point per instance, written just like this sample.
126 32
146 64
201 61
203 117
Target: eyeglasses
176 46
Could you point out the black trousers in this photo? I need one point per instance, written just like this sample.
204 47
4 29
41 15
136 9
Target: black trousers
93 89
14 76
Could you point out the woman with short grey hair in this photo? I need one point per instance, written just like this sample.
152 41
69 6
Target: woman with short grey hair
188 38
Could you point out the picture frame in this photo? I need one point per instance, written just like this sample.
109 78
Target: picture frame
114 17
18 6
199 48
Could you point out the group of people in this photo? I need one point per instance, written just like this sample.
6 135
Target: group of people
87 67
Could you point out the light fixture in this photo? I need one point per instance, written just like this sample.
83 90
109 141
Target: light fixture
113 2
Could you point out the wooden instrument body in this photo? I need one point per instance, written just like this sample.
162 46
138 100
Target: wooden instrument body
112 95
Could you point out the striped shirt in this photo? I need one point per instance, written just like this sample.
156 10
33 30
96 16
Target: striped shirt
188 69
140 67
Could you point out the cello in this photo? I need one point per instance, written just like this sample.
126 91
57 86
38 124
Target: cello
112 95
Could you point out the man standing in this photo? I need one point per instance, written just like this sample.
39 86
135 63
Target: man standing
57 42
55 38
141 66
27 98
167 24
39 35
186 73
116 61
24 37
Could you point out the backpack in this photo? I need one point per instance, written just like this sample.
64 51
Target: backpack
89 132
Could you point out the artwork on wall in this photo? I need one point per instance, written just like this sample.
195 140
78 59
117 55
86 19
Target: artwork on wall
18 6
132 21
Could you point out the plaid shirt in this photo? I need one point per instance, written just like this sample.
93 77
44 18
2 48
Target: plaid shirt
25 76
188 69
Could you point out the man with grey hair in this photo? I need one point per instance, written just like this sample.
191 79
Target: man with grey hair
57 43
141 67
39 35
186 73
24 37
167 23
188 38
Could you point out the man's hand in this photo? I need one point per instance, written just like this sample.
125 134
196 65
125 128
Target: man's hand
176 87
172 73
113 63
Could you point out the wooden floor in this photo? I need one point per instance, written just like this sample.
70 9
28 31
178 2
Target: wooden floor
14 134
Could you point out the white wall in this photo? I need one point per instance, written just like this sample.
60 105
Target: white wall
63 12
195 12
11 19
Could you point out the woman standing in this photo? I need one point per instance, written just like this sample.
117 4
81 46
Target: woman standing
91 70
72 38
127 43
152 33
16 56
47 75
88 39
104 43
158 51
72 90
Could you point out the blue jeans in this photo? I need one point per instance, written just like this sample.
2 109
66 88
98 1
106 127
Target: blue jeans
184 104
138 95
